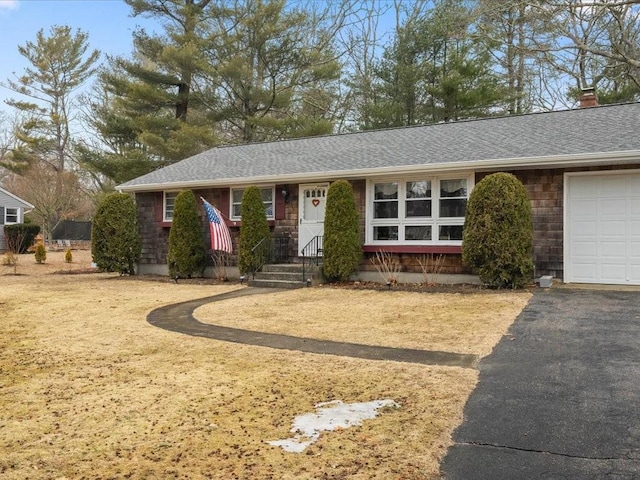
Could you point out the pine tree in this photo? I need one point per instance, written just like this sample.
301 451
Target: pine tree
272 71
508 29
59 64
146 110
115 155
220 72
434 71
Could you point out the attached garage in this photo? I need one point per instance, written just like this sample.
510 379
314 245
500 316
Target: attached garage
581 168
602 227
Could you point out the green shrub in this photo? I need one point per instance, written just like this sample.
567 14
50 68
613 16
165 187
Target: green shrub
20 236
498 232
115 241
254 228
68 256
187 252
342 250
40 253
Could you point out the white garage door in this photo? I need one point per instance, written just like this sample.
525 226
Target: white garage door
602 228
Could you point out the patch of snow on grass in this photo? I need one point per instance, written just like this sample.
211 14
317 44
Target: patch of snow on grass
329 416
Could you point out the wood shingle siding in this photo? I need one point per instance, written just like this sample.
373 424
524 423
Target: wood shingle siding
539 149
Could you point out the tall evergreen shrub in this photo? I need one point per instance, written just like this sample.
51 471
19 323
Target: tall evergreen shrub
342 250
498 232
187 252
115 241
254 228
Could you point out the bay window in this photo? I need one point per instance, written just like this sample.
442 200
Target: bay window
418 211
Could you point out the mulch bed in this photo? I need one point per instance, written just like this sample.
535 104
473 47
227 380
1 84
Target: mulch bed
461 288
410 287
76 272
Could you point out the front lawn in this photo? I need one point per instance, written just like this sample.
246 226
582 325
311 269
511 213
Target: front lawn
90 390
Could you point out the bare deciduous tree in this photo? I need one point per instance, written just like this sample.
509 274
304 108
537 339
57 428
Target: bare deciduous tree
55 195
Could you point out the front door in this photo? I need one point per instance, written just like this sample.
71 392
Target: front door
311 207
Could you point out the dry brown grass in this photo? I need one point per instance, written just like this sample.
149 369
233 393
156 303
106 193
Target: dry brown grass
452 322
88 389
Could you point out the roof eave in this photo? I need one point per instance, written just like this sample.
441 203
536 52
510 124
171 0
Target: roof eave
15 197
553 161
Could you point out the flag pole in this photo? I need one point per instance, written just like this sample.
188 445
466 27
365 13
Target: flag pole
220 235
222 214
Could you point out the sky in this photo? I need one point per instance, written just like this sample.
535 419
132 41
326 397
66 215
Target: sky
107 22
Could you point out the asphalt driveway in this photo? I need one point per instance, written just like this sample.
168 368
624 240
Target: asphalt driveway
559 398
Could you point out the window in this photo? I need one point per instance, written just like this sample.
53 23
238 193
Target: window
420 211
10 215
385 201
418 202
169 204
267 199
453 198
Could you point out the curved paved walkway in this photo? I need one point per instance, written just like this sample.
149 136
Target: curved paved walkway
179 318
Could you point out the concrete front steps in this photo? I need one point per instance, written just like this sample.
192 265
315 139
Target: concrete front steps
287 275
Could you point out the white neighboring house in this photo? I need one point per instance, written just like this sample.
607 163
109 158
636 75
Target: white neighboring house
12 210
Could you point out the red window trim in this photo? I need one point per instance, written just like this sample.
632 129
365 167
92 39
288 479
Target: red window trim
454 249
229 223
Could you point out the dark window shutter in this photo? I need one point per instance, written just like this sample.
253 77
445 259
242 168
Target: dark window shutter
224 204
279 203
1 215
158 205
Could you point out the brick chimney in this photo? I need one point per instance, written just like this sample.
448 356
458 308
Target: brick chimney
588 98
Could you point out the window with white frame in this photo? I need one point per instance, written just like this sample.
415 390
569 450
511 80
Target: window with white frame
418 211
169 205
10 215
267 194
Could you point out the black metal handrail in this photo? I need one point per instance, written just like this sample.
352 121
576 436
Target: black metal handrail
312 251
259 255
280 249
269 249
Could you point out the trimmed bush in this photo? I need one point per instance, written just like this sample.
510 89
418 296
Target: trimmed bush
254 228
115 241
187 252
498 232
342 250
40 253
20 236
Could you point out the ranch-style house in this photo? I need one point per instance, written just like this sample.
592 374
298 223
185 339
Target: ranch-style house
581 168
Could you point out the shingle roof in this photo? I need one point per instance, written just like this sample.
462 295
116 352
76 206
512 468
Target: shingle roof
519 139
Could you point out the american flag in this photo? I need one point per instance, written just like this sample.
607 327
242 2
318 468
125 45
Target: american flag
220 237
